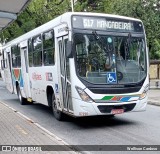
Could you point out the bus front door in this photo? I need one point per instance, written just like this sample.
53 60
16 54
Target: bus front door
8 74
64 79
25 74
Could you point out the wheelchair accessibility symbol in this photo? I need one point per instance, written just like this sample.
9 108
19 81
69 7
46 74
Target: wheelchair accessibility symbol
111 77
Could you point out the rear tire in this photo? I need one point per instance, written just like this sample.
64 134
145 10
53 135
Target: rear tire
21 99
57 113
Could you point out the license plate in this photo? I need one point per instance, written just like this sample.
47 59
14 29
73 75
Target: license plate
117 111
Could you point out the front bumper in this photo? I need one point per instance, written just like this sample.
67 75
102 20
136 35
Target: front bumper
82 108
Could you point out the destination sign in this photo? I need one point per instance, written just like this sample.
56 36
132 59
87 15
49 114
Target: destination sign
110 24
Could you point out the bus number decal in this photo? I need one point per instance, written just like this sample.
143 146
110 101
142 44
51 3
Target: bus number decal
83 113
88 23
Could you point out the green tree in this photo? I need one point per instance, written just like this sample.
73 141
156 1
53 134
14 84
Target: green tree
41 11
146 10
36 14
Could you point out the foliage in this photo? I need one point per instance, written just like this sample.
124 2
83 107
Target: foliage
41 11
156 49
36 14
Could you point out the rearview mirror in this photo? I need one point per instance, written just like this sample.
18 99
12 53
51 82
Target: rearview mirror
69 49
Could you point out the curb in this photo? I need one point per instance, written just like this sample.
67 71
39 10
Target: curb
154 102
154 88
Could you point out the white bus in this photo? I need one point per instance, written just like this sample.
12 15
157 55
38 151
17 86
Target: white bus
81 64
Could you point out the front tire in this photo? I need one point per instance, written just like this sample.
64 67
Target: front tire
21 99
57 113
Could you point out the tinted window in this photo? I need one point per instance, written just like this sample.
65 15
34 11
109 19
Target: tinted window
30 53
48 48
37 50
16 57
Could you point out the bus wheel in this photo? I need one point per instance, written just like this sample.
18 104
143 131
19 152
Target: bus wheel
21 99
57 114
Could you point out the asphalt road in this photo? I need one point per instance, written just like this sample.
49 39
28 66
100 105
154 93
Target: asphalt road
136 128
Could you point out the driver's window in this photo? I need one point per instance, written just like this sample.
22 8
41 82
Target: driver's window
81 59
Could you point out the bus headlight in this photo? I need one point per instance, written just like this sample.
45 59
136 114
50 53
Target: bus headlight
143 95
84 96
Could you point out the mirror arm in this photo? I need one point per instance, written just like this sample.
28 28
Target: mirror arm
69 49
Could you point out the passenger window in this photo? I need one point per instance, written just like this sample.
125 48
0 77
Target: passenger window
48 48
3 61
30 53
37 50
16 57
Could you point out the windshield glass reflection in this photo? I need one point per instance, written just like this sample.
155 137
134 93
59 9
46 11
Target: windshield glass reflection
110 59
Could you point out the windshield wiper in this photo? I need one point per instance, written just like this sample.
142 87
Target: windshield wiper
101 40
96 35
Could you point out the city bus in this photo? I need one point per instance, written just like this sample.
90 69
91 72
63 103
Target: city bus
80 64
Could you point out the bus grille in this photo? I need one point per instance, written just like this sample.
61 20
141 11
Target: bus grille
108 108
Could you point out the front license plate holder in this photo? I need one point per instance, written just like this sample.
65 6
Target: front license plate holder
117 111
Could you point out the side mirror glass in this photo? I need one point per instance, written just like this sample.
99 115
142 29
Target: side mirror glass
69 49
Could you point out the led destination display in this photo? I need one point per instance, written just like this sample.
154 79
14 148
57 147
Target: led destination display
110 24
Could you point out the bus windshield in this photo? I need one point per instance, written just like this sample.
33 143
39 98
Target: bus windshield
108 59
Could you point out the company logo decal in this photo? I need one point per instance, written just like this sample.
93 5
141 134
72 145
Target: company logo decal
36 76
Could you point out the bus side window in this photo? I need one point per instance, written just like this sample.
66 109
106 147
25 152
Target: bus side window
37 50
2 64
2 61
48 48
30 52
16 57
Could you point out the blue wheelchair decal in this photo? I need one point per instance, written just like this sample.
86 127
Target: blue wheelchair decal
111 77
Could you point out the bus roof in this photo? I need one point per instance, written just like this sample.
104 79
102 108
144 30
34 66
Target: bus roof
100 15
58 20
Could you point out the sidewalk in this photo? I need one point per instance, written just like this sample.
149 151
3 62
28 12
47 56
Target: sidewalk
155 84
154 97
154 92
17 130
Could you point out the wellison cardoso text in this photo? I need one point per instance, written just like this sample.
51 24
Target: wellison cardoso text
143 148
